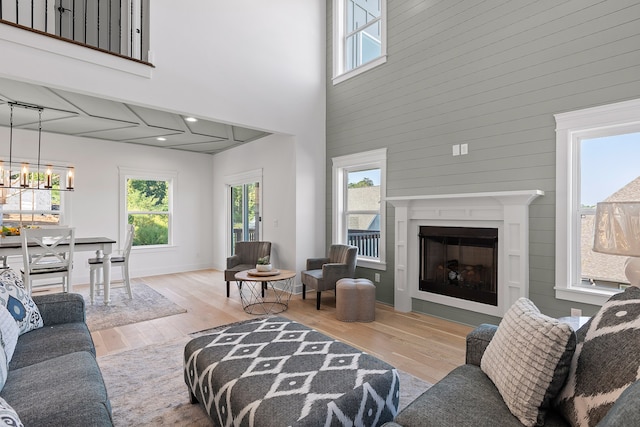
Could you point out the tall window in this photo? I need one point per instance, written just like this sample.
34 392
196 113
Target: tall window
148 202
594 151
358 217
359 36
245 213
244 192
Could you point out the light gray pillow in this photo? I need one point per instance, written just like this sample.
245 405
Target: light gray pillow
9 332
4 368
528 360
8 416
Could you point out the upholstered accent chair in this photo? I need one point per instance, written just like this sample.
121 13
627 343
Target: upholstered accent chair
323 273
245 257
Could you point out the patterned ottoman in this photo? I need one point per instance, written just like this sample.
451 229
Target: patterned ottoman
276 372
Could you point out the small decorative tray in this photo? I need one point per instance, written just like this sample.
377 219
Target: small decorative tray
254 272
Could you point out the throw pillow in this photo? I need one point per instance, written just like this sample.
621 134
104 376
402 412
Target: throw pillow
17 300
9 332
8 416
528 360
4 365
606 360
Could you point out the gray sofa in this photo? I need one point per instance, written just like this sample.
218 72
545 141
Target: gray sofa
467 397
54 378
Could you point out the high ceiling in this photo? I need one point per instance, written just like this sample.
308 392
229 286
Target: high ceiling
85 116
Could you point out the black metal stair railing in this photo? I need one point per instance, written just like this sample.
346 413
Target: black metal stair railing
119 27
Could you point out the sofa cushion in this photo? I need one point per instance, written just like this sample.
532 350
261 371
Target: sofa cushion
8 416
58 340
528 360
64 391
466 397
17 300
9 332
606 360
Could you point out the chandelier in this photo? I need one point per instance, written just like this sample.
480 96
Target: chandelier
22 175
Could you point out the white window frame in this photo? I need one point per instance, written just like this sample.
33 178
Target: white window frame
375 159
340 40
150 175
571 128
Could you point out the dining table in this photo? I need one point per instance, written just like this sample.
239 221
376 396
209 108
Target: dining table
102 246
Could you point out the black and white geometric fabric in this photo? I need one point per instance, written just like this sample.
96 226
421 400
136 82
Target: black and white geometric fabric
605 362
277 372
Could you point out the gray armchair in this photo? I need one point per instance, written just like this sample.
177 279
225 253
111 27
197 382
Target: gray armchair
245 258
323 273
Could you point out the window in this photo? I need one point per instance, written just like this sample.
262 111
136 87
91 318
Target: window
148 203
358 207
359 36
23 207
245 213
594 148
244 192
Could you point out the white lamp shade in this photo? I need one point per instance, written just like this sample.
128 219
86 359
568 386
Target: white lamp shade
617 228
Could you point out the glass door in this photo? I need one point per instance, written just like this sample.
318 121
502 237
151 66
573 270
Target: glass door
245 213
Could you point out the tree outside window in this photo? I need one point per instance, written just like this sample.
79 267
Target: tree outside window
148 209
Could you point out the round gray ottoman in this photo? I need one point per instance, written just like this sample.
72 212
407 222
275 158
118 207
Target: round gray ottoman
355 300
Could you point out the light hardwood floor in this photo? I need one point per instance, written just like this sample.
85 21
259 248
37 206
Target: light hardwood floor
424 346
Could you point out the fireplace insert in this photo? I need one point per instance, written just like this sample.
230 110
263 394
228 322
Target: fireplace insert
460 262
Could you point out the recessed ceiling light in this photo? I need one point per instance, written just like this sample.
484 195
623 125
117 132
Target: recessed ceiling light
161 138
191 119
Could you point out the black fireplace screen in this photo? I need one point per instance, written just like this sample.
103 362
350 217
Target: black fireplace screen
460 262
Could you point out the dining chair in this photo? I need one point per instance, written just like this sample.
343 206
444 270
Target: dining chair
96 267
47 253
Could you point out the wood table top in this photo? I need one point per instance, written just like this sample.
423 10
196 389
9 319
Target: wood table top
247 276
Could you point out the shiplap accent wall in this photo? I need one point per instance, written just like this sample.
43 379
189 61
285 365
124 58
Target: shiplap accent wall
490 74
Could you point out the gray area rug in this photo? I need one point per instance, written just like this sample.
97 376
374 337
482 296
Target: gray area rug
146 304
146 387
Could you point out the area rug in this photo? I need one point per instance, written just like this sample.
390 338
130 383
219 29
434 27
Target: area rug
146 304
146 387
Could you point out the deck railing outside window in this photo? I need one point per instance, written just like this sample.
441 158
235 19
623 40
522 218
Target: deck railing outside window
237 236
120 27
367 241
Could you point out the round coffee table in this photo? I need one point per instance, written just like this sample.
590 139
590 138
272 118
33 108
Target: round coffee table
266 292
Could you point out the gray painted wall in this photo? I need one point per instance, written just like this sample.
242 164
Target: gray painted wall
490 74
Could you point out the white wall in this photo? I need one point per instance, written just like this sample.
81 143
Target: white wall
256 64
276 157
94 205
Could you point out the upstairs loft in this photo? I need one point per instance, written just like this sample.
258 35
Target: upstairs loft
116 27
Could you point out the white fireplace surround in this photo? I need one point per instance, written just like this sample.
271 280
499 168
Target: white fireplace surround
508 211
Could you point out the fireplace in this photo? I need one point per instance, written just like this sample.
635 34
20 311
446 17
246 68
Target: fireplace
460 262
505 211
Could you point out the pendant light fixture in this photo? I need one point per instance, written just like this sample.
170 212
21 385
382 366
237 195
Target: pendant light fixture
17 175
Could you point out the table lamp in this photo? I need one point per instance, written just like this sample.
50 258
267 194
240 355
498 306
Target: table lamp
617 232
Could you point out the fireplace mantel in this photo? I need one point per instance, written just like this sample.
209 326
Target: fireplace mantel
508 211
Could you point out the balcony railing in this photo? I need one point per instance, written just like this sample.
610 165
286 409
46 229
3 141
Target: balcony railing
237 236
367 241
119 27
